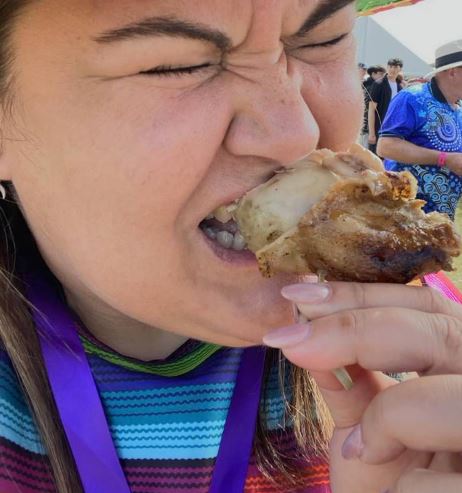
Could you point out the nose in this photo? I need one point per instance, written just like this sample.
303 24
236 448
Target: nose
272 120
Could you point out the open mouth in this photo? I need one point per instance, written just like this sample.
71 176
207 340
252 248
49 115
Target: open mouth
221 228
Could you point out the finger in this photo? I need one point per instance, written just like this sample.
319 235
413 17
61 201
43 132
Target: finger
378 339
316 300
425 481
348 407
421 415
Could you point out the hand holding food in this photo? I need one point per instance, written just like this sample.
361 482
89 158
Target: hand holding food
410 429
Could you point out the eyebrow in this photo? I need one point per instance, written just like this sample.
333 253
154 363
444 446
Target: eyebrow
325 9
166 26
173 27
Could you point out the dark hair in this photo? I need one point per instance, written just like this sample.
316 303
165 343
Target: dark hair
395 62
17 332
305 408
376 68
362 65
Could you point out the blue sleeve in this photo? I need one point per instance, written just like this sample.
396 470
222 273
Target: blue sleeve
401 118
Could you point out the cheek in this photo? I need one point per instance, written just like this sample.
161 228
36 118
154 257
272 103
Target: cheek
130 147
126 186
335 98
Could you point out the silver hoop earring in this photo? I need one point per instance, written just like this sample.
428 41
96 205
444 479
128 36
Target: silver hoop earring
2 192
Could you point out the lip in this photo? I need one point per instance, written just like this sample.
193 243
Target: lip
244 258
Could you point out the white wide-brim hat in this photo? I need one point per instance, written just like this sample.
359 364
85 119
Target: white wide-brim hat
447 56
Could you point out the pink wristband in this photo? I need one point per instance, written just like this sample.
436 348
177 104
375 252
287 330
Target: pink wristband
442 159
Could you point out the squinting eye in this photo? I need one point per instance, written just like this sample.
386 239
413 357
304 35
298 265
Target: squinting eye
170 71
327 44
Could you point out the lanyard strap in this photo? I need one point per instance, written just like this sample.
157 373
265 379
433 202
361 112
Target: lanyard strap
82 414
75 393
232 463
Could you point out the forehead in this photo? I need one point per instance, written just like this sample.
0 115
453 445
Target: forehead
235 8
277 16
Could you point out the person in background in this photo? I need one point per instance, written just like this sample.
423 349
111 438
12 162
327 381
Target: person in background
375 72
402 81
382 92
362 69
422 133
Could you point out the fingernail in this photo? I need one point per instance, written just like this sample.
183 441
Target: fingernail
287 336
353 446
306 293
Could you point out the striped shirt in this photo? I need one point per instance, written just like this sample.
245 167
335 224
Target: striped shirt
166 420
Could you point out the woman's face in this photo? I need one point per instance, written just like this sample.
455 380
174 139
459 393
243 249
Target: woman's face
132 121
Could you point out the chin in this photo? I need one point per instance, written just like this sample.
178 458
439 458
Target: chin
250 317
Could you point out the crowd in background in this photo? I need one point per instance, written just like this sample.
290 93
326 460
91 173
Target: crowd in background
416 125
380 86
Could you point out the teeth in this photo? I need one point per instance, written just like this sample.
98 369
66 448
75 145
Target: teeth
239 243
225 239
211 233
224 213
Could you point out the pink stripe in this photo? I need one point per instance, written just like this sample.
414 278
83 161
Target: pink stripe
25 456
168 479
13 468
441 283
166 470
11 487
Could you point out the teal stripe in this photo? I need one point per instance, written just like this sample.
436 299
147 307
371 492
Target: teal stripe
14 398
169 392
22 438
14 416
10 389
274 409
185 404
199 415
16 424
168 407
193 440
171 429
191 407
167 453
153 437
192 404
8 374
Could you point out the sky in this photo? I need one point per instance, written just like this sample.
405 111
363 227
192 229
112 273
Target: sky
424 26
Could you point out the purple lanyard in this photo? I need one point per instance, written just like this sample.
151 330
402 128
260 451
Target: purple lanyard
82 414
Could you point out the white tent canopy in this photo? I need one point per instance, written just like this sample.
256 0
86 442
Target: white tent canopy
412 33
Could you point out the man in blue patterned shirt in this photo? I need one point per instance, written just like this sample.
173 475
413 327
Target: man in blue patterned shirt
422 133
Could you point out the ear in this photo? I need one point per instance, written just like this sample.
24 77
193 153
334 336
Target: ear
452 72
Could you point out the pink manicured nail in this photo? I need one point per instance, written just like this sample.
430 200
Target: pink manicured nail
353 446
287 336
307 293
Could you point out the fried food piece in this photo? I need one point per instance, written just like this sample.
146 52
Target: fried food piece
357 222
